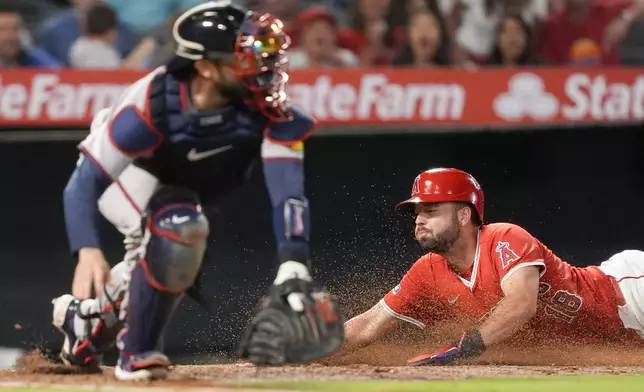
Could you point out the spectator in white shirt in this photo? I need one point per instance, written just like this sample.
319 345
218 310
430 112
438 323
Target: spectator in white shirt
475 23
95 48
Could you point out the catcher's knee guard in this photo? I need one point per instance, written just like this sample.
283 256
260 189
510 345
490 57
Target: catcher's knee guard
175 239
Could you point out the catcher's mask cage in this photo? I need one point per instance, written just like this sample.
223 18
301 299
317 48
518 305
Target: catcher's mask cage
258 51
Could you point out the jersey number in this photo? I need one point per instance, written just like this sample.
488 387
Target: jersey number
563 304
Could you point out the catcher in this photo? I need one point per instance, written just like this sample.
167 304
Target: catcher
498 274
186 133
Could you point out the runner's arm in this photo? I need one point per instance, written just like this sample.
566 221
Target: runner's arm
517 307
368 327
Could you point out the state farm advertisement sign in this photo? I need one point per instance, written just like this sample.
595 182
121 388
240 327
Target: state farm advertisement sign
58 99
373 97
359 97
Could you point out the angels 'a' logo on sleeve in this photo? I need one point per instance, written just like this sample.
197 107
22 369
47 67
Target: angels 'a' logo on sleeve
506 254
396 289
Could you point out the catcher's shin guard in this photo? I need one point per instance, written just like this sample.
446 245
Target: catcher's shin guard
279 335
175 242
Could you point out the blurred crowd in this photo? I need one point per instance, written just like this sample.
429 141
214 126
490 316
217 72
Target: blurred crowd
137 34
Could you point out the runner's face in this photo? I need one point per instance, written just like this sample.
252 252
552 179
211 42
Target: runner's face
437 226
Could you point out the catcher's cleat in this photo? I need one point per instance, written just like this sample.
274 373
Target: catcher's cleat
148 366
74 351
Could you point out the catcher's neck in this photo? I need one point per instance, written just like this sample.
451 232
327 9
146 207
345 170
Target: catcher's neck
203 94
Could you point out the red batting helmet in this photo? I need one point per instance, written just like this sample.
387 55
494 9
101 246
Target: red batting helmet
445 184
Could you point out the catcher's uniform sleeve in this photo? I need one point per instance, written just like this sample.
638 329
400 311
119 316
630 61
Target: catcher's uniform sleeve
283 163
514 248
118 135
409 300
298 129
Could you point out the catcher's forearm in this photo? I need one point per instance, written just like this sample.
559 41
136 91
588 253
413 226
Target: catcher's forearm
291 217
80 200
507 318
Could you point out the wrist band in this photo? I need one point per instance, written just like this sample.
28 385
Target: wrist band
471 343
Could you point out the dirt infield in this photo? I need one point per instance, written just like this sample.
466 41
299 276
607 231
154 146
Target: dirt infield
526 355
381 362
222 375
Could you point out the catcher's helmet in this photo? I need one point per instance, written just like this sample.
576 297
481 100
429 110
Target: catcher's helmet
445 184
254 42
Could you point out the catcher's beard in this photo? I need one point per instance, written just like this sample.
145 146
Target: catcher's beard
442 243
231 90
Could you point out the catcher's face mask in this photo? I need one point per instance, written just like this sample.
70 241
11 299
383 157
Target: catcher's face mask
261 64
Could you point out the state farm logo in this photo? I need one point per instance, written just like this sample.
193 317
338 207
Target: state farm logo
584 97
526 97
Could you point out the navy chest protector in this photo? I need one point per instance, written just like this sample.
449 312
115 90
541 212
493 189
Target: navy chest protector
210 153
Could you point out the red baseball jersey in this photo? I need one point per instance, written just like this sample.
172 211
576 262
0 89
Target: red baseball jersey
579 302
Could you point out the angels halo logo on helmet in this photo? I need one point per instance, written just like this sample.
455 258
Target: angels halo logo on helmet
445 185
254 42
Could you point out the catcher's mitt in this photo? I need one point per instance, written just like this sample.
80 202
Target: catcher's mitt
279 334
